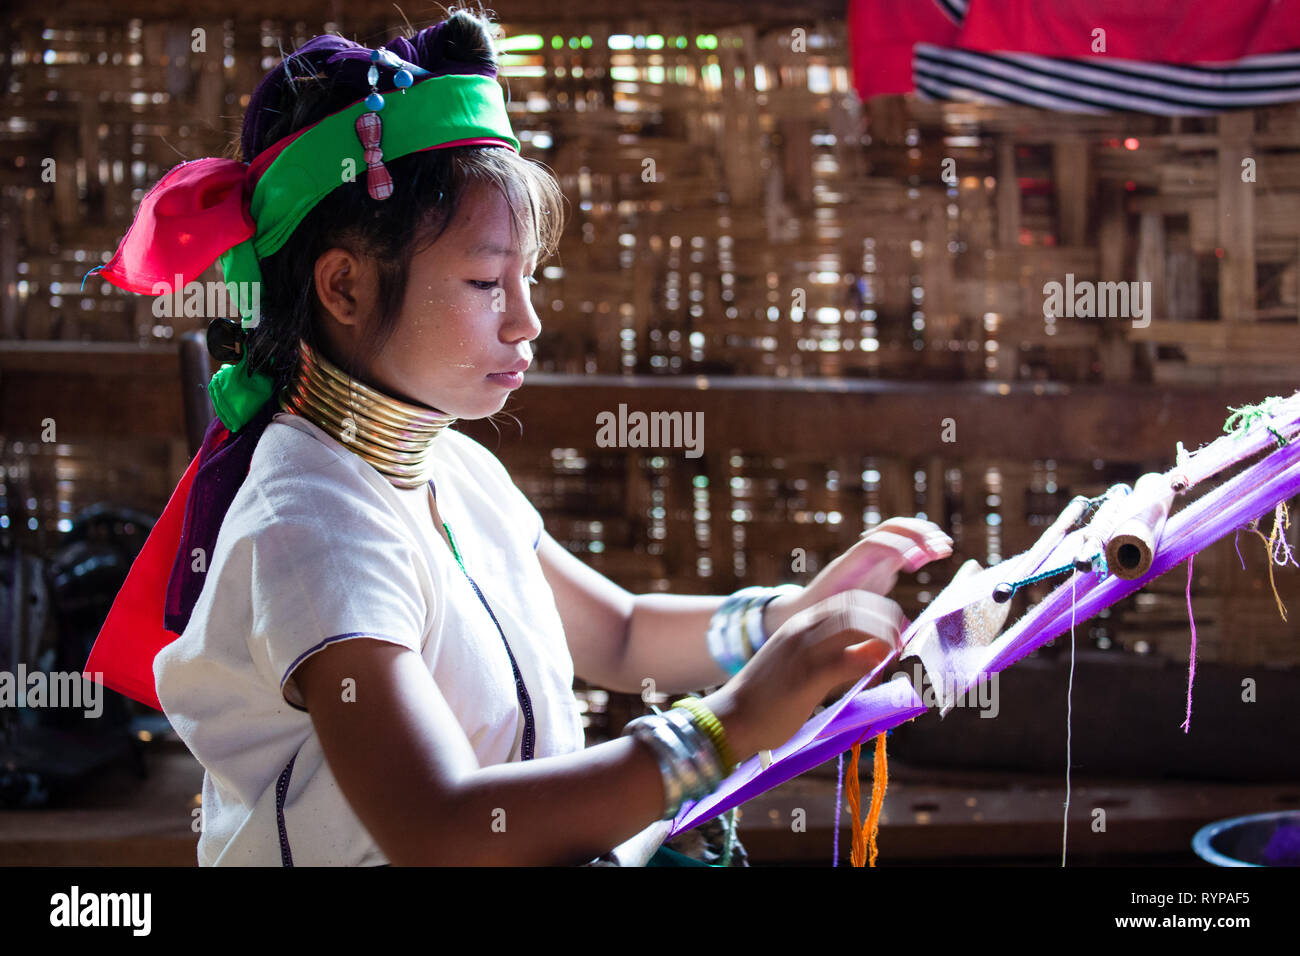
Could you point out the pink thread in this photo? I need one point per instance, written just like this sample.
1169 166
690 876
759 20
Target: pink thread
1191 657
1069 717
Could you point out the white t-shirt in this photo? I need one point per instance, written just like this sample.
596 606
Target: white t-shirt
319 547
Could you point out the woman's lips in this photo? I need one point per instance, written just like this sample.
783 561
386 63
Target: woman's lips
507 379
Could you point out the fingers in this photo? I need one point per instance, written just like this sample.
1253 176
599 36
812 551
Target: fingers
852 617
909 553
918 529
857 660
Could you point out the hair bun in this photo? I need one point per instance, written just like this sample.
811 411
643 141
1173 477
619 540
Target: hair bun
329 72
226 340
462 40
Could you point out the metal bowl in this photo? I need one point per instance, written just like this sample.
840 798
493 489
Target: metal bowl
1262 839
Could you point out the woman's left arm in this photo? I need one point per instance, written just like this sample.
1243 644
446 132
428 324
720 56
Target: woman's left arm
618 639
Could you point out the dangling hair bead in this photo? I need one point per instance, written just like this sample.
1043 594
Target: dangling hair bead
370 131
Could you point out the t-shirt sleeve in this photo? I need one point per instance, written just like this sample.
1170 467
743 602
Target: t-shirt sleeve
330 574
541 525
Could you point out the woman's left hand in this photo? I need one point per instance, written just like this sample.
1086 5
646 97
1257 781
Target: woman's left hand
871 564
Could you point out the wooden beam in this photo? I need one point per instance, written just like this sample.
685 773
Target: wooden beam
91 390
1151 262
1236 218
833 417
1073 188
1008 195
1223 337
120 391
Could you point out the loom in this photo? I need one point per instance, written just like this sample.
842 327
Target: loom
957 635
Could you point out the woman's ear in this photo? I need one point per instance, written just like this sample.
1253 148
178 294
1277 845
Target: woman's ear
346 286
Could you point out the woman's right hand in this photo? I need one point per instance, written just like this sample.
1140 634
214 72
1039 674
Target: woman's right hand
829 645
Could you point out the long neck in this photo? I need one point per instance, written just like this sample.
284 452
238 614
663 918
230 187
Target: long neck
391 435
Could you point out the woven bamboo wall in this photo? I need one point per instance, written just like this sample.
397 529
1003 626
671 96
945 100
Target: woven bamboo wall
735 211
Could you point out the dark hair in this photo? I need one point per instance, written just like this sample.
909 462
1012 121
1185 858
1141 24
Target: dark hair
326 75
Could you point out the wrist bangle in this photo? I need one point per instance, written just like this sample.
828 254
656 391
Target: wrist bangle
750 621
680 779
702 752
712 727
774 593
720 649
732 641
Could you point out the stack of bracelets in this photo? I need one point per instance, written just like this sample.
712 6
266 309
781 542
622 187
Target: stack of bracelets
688 739
736 628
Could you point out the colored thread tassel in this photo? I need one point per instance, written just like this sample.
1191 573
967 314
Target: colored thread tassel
839 786
852 792
879 781
1279 551
1241 419
1282 554
864 849
1069 719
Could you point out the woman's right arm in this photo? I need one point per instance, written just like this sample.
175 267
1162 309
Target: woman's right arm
410 774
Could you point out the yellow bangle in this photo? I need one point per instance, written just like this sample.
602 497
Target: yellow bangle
712 727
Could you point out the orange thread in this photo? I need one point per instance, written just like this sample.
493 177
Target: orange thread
864 850
879 781
857 856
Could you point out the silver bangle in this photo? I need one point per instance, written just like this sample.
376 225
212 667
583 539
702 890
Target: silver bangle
750 622
680 778
708 764
756 610
670 761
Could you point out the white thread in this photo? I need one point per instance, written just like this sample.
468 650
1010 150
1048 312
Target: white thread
1069 709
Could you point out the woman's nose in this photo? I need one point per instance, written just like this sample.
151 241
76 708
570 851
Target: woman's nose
519 319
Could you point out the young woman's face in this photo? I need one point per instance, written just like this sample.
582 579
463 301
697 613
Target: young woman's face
463 336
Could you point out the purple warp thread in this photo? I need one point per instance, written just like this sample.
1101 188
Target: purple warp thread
865 712
839 784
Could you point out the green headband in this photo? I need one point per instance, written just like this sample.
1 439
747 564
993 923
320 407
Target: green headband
438 112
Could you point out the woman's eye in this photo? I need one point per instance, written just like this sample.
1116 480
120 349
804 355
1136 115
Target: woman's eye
492 283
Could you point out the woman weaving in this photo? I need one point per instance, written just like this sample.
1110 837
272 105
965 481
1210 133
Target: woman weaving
362 685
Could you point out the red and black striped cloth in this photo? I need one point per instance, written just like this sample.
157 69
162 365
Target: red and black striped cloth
1169 57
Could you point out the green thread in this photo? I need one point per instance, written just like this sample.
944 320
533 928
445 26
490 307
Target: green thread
454 550
1093 505
1241 419
729 825
1042 575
